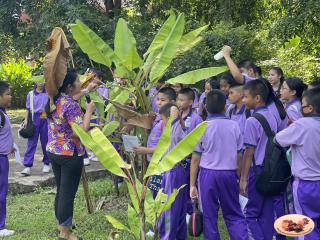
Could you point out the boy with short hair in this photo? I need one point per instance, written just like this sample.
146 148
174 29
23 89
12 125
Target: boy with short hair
6 148
303 136
185 102
218 154
259 209
172 223
237 111
165 95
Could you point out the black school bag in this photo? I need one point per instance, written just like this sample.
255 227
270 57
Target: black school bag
2 120
276 174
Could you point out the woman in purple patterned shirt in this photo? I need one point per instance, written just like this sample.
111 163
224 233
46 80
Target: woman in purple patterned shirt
65 150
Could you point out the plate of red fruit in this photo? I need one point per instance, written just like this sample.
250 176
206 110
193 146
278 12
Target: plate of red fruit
294 225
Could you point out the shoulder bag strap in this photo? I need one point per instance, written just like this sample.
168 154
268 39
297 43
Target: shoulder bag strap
265 125
32 105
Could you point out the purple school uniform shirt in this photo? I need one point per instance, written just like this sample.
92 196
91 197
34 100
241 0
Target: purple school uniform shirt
196 99
6 137
201 104
303 136
176 134
191 121
153 96
293 109
254 135
281 123
39 101
154 135
220 143
246 78
239 117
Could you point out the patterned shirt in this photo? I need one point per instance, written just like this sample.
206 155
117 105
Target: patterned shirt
61 140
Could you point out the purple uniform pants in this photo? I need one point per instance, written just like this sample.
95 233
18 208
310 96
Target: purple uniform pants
220 188
306 196
259 211
41 128
173 222
279 210
4 172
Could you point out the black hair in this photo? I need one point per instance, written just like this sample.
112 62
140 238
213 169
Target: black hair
247 64
4 86
165 109
162 80
279 72
98 73
69 79
189 92
257 70
169 92
312 97
257 87
215 101
315 83
214 82
229 79
296 84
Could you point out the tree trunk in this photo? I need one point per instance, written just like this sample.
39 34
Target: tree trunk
142 225
86 191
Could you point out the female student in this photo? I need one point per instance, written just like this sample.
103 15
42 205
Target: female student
276 78
65 150
39 99
291 93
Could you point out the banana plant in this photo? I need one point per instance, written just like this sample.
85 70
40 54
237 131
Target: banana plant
124 61
143 208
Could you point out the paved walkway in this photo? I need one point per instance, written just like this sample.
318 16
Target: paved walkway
21 184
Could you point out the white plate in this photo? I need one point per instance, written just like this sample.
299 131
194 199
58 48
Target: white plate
295 218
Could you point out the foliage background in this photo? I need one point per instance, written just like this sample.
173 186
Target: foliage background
255 29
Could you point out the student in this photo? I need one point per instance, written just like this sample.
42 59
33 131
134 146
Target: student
172 223
210 84
218 156
276 79
65 150
177 87
185 101
40 99
291 93
242 73
314 84
153 95
259 209
237 110
226 81
6 148
165 95
303 136
258 72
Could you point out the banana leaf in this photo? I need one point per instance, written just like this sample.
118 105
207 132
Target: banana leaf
132 222
112 155
91 44
162 34
149 208
190 40
110 127
104 157
122 97
181 150
169 50
163 145
116 224
195 76
149 63
125 46
133 197
166 206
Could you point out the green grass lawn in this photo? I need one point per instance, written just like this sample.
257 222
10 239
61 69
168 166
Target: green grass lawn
32 216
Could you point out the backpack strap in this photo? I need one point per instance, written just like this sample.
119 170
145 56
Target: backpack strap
3 119
247 113
265 125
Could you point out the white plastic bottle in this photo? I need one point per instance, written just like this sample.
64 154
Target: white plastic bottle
218 56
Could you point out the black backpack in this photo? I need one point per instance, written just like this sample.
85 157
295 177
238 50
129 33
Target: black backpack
276 174
3 119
